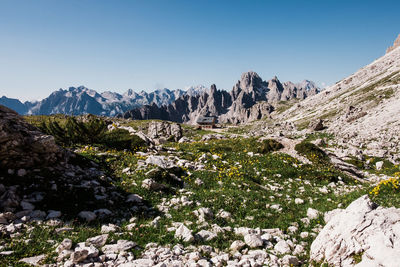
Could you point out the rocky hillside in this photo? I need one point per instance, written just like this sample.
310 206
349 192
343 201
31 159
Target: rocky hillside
250 99
362 109
81 100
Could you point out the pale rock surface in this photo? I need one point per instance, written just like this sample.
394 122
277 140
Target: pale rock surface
35 261
362 228
253 241
312 213
122 245
184 233
282 247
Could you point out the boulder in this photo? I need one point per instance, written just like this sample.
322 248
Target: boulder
23 146
317 125
35 261
206 235
253 241
122 245
364 229
184 233
165 130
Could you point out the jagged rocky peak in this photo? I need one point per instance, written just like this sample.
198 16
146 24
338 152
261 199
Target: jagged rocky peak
251 80
394 46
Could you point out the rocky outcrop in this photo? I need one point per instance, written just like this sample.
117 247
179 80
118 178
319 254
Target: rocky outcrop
36 175
394 46
250 99
362 229
22 145
165 130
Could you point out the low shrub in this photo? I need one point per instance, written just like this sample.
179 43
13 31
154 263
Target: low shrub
91 132
269 145
121 139
387 192
312 152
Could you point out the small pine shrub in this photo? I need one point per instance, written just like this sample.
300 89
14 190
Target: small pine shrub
91 132
269 145
121 139
74 131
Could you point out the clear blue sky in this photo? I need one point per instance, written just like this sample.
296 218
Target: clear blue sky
116 45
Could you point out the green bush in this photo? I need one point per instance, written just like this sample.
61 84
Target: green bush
74 131
269 145
121 139
312 152
91 132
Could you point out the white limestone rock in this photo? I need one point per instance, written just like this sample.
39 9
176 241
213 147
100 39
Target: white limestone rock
362 228
184 233
253 241
312 214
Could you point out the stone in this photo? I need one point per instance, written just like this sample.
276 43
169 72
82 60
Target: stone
184 233
364 229
282 247
140 263
27 206
110 228
53 214
312 214
159 161
151 184
87 216
79 255
379 165
165 130
253 241
237 245
122 245
206 235
35 261
135 198
204 214
317 125
66 244
304 234
21 172
97 241
289 260
298 201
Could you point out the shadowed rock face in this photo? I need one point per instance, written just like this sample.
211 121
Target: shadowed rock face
250 99
22 145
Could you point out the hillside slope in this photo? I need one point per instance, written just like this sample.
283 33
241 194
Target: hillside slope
362 109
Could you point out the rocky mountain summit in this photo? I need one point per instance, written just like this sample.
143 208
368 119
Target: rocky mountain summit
250 99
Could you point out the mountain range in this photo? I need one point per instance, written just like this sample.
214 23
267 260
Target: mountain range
175 105
81 100
251 98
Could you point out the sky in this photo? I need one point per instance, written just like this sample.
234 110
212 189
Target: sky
145 45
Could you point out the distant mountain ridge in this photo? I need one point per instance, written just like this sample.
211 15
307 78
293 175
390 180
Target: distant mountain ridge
250 99
81 100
